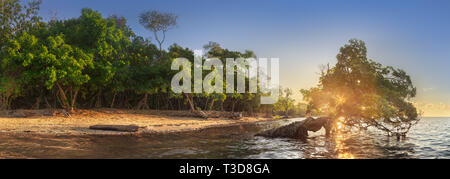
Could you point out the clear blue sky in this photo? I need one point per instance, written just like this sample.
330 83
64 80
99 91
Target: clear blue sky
408 34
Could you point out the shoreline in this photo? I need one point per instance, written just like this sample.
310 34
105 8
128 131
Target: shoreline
36 122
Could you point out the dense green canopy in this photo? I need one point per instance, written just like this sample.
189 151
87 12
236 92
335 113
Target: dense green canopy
95 61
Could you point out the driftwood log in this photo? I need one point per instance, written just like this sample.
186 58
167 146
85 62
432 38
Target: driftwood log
122 128
299 130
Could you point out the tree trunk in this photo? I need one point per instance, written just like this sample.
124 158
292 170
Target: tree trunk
4 101
170 103
74 99
191 105
250 110
64 100
205 107
190 101
299 130
114 98
211 105
143 103
47 103
98 103
157 101
38 102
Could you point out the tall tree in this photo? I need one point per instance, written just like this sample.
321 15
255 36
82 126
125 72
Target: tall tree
105 40
15 17
158 22
359 92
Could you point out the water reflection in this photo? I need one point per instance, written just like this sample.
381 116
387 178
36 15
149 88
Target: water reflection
341 149
430 139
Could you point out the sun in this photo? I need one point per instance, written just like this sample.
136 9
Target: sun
339 125
340 99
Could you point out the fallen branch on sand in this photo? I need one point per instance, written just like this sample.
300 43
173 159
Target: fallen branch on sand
122 128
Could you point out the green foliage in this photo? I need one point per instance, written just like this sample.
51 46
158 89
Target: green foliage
300 109
93 61
46 62
232 101
15 18
156 21
285 103
363 93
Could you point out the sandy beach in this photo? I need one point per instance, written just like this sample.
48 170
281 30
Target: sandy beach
150 121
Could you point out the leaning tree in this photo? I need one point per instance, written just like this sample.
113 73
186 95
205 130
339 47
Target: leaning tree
360 93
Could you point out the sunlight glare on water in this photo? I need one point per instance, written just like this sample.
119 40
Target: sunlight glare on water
429 139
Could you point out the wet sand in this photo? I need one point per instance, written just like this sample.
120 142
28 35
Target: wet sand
151 121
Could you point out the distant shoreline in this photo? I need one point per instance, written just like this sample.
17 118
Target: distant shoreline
150 122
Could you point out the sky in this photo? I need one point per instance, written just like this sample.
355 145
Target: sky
409 34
